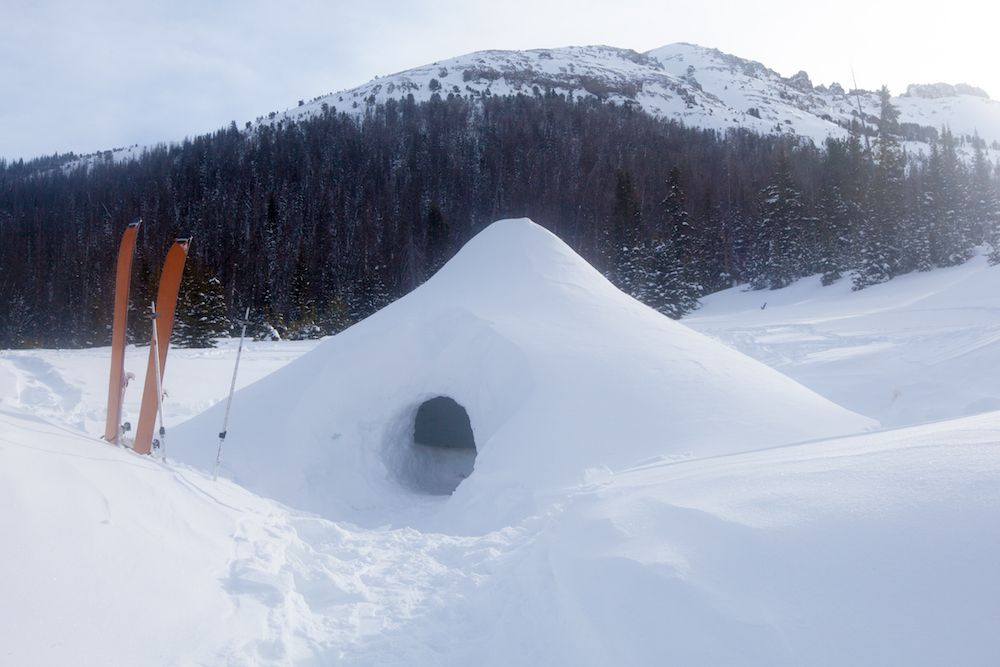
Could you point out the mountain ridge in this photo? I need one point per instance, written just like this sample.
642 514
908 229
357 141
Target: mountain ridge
697 86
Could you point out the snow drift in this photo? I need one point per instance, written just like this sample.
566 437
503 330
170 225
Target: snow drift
556 371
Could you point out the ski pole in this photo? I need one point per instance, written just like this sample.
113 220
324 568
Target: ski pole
232 388
159 383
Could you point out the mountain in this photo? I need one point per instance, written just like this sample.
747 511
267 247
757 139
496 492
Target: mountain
694 85
697 86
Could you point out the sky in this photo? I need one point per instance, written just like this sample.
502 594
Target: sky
84 77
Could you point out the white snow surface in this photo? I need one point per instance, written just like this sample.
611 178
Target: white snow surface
886 351
869 549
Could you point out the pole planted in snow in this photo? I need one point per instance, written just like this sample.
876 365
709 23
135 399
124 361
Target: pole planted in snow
232 388
159 383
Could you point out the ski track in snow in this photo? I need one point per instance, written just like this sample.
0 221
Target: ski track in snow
330 593
41 386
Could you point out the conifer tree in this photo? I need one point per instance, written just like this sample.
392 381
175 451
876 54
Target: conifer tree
982 201
711 269
266 321
302 318
781 225
438 249
628 253
670 264
335 317
986 203
879 234
916 244
200 317
839 205
946 203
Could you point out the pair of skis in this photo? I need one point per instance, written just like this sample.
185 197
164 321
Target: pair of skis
162 323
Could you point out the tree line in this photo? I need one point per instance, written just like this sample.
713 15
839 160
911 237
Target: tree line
315 224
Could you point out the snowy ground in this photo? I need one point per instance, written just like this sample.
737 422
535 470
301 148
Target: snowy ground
874 549
920 348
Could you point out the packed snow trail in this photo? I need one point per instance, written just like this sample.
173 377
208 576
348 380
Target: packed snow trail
151 563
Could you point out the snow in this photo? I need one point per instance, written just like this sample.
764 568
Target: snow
66 387
886 351
558 370
579 538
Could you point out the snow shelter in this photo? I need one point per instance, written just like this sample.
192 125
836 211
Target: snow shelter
517 359
442 451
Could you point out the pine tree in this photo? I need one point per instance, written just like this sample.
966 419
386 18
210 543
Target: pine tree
945 202
986 204
834 230
413 264
628 253
711 269
438 249
781 225
669 283
916 244
200 318
879 233
266 321
839 207
302 320
370 295
335 317
982 207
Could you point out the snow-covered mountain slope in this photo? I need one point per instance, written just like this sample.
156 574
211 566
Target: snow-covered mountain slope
912 352
698 86
559 373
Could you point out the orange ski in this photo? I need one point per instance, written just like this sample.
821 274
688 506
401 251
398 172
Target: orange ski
166 301
116 387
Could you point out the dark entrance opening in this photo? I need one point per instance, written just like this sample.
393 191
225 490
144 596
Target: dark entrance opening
443 446
441 422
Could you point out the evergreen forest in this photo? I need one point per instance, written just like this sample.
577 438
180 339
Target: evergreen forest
316 224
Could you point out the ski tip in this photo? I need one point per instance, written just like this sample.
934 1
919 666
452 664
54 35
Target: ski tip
135 223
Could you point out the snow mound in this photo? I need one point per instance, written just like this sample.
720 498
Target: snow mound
109 558
556 371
